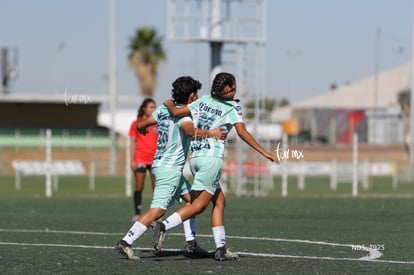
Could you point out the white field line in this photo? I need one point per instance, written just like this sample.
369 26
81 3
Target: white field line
372 256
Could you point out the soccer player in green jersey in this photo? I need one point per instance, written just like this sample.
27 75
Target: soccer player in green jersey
219 109
174 135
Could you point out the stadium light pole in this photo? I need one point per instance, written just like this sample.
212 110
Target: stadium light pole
216 46
58 67
411 133
293 56
376 72
112 85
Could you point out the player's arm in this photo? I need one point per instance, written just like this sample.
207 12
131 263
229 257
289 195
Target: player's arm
143 124
189 130
249 139
177 112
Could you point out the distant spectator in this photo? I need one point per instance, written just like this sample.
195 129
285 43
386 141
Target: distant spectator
142 150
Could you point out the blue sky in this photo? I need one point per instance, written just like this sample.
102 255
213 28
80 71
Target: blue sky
64 44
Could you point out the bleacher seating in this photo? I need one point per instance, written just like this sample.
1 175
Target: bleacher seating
64 138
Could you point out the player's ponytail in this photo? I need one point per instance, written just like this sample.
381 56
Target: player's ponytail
220 81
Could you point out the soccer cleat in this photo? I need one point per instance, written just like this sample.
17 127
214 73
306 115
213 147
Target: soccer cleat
125 249
191 248
223 254
159 235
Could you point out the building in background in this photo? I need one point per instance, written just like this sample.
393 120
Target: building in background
368 106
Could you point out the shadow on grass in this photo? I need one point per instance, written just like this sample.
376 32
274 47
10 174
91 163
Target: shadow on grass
167 255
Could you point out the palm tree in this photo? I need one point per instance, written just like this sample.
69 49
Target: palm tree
146 52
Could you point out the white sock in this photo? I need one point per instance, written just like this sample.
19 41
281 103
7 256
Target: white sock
135 232
219 235
172 221
189 229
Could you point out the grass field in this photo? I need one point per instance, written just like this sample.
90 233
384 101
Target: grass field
315 231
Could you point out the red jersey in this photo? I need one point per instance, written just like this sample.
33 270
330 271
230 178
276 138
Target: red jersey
145 145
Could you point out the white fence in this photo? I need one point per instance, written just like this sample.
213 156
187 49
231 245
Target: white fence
52 170
337 172
293 164
244 175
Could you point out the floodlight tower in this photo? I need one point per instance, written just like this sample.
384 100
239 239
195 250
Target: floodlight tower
9 66
220 22
215 43
235 30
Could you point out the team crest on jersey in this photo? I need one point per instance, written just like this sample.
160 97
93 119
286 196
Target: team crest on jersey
239 110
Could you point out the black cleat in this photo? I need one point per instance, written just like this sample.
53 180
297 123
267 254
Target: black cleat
192 249
159 235
224 254
125 249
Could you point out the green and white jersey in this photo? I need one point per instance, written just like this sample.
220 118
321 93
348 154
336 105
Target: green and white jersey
210 113
173 143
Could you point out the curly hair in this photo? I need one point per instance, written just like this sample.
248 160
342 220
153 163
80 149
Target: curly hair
183 87
143 105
